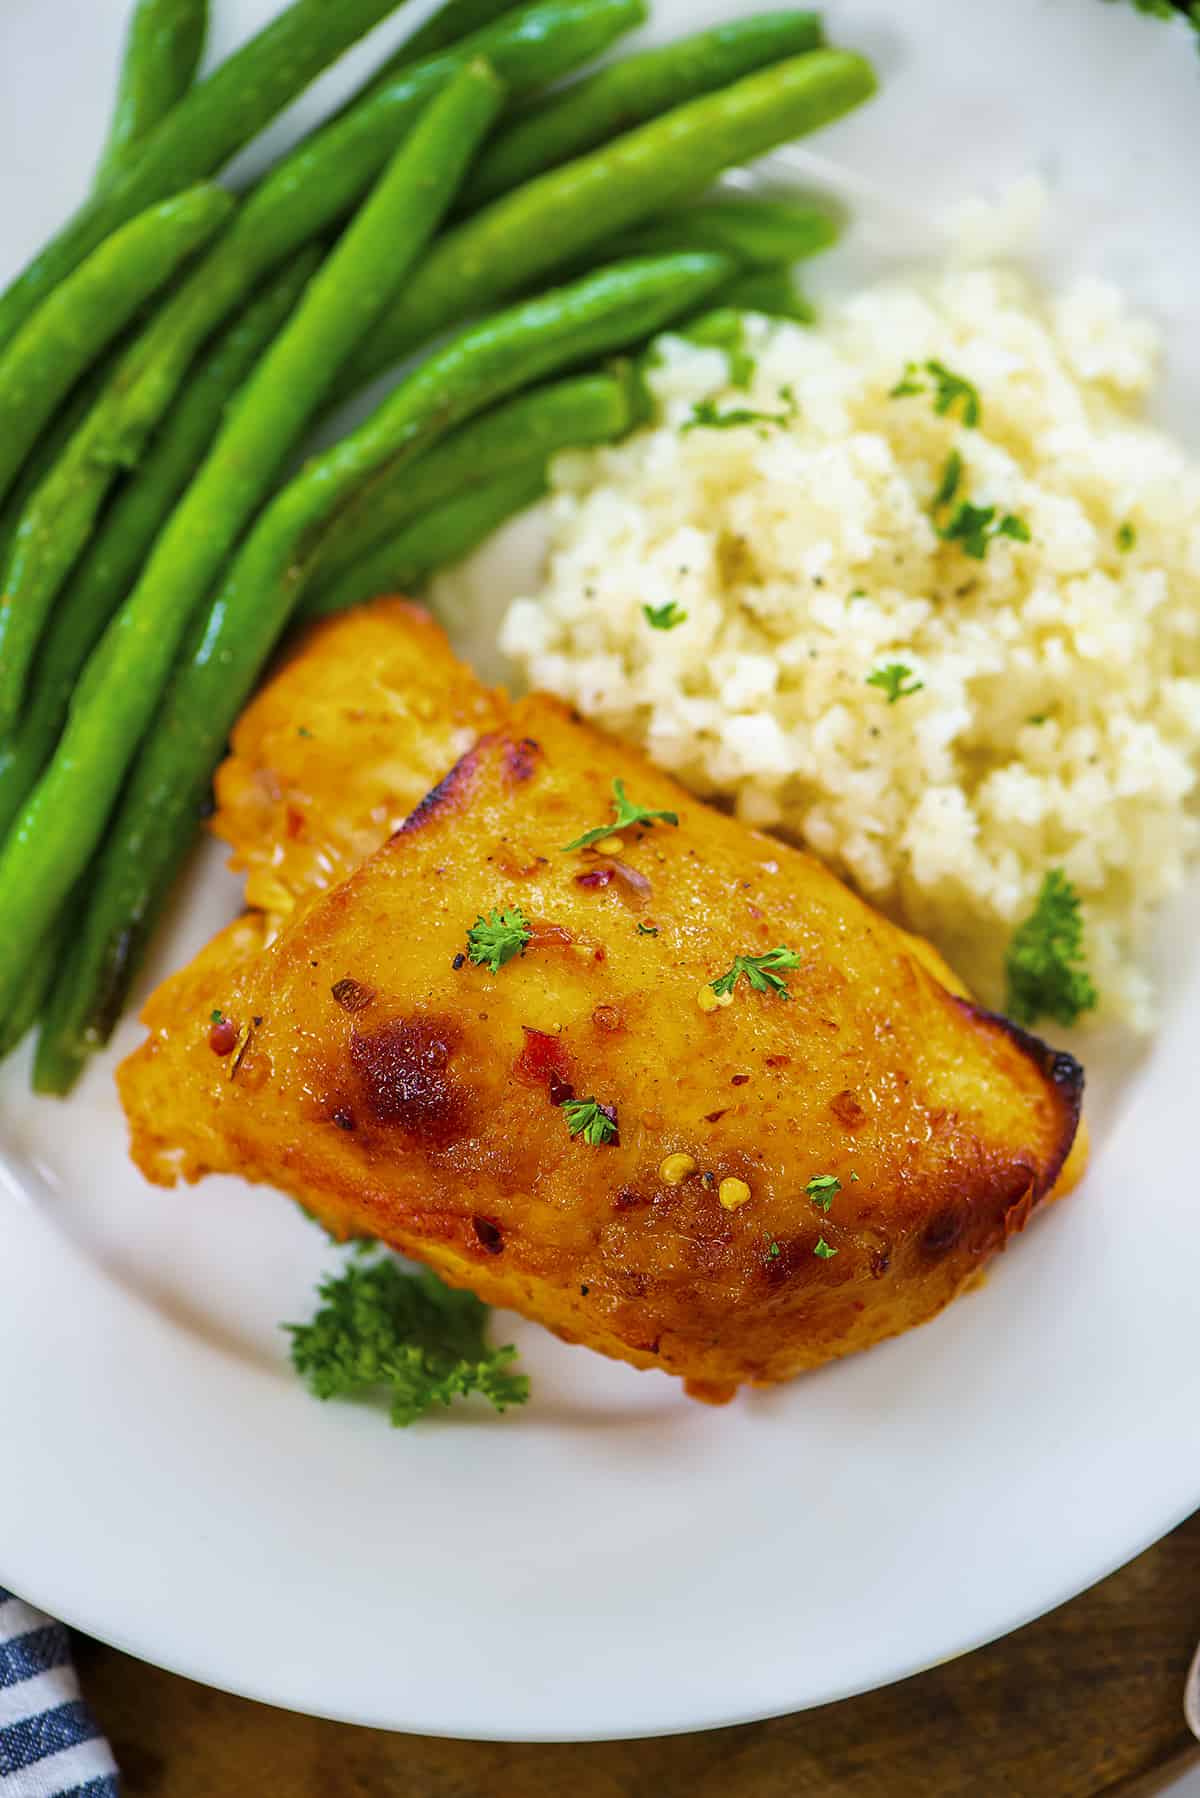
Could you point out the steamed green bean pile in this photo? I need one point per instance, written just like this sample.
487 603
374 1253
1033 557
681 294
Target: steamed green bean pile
164 357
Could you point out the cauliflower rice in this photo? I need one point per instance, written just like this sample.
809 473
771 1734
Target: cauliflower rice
1058 723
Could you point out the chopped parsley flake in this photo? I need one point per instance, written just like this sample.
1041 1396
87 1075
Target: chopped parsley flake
972 527
707 417
626 814
664 618
890 680
821 1189
823 1250
773 1250
217 1017
1126 538
493 940
759 971
303 731
948 485
596 1123
647 929
950 390
1044 965
404 1336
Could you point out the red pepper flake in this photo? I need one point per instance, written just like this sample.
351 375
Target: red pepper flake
490 1236
223 1037
352 995
595 877
739 1079
778 1061
295 822
561 1091
543 1055
714 1117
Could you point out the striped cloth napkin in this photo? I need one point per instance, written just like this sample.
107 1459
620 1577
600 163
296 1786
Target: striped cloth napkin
50 1745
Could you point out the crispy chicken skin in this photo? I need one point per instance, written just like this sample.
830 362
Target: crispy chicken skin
398 1090
328 760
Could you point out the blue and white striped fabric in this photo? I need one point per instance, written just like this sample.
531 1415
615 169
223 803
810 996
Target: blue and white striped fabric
50 1746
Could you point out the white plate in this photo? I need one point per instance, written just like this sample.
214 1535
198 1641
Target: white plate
616 1560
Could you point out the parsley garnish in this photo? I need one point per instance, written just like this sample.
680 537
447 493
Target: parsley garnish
948 485
821 1189
971 526
949 390
823 1250
596 1123
664 618
1044 964
626 814
706 417
758 971
890 680
773 1250
647 929
405 1336
975 526
1126 538
493 940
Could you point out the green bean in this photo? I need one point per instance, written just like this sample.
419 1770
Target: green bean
130 527
321 181
124 676
584 409
309 191
769 290
628 93
209 125
760 233
448 26
549 222
79 320
232 641
48 448
439 537
163 47
35 989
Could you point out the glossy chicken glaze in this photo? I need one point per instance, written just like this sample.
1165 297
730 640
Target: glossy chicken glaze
398 1090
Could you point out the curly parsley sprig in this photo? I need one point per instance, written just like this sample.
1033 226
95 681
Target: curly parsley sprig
596 1123
890 680
493 940
626 813
759 970
403 1336
1045 960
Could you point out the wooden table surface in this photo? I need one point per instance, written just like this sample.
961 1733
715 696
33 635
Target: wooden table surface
1084 1702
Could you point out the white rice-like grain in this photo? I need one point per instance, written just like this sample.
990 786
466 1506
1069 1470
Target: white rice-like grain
1058 724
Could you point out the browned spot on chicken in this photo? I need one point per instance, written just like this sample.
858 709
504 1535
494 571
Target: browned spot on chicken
352 995
490 1235
608 1017
450 794
943 1231
521 759
402 1076
847 1110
